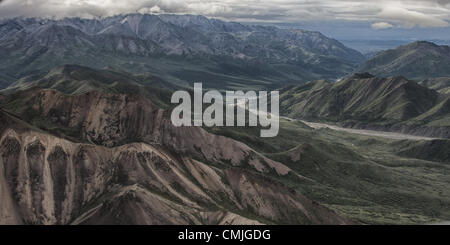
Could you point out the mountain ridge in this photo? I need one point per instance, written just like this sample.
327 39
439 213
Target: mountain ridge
418 61
175 47
369 102
113 159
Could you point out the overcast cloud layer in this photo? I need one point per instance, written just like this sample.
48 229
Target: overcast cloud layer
381 14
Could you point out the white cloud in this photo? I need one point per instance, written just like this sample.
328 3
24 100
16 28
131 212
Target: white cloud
381 25
398 13
411 18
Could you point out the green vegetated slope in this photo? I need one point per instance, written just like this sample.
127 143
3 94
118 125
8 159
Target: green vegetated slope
369 179
363 98
74 79
440 84
424 62
419 60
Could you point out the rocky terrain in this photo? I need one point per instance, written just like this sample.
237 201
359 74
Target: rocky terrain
100 158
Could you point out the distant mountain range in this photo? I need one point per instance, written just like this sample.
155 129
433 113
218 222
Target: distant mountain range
182 48
366 101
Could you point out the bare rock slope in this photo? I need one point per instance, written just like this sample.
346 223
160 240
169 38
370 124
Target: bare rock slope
116 159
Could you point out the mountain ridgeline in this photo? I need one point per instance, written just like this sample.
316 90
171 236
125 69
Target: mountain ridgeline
108 158
74 79
417 61
182 48
366 101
